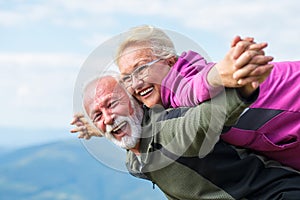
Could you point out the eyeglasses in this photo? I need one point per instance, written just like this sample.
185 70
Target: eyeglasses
139 73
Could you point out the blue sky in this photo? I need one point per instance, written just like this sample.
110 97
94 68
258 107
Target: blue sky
43 45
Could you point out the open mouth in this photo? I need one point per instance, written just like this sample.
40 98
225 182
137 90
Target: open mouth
146 91
117 129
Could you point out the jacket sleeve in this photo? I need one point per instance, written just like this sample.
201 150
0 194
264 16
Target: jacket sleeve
196 131
186 83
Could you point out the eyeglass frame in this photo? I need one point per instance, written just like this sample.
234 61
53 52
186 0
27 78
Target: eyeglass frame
135 72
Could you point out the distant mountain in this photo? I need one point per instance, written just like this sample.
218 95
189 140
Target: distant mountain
66 171
19 137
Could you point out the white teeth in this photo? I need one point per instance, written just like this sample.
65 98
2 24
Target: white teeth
118 127
146 91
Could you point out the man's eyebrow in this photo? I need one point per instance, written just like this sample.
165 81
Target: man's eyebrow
106 100
117 96
103 100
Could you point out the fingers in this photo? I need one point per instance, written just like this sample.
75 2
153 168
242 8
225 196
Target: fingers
256 76
84 135
257 47
74 120
76 117
235 40
255 84
252 57
252 70
78 129
261 59
244 59
243 72
262 70
248 80
82 132
240 48
251 64
247 44
79 120
249 39
83 127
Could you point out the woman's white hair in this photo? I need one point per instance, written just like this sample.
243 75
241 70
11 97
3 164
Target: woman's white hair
147 36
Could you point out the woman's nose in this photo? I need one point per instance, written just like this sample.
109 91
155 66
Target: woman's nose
136 82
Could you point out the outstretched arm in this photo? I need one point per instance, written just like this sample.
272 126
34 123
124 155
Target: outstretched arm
193 80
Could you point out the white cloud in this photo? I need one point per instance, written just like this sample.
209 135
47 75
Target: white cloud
40 60
22 13
37 88
96 39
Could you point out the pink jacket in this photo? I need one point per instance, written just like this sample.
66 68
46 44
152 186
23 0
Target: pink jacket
271 126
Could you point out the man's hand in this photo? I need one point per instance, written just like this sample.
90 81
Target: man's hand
83 127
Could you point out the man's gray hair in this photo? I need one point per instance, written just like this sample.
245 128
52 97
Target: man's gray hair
86 93
147 37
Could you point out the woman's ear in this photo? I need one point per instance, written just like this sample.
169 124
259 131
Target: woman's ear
171 61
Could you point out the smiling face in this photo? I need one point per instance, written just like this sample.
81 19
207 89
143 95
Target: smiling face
147 88
111 110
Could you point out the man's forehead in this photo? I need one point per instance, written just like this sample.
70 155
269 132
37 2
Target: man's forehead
107 89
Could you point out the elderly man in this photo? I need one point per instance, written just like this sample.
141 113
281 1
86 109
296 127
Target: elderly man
166 148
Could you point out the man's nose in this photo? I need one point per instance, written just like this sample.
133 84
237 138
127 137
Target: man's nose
108 118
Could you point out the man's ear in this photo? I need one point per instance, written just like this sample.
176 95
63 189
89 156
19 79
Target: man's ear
171 61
